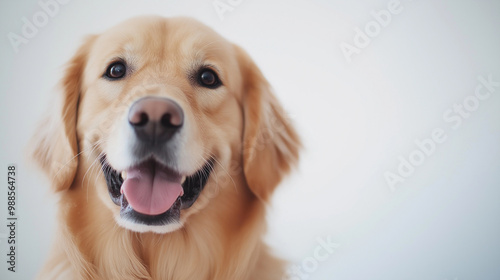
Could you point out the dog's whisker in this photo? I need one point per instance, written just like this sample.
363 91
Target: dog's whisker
95 146
89 169
92 166
96 170
207 154
77 155
228 174
98 173
74 157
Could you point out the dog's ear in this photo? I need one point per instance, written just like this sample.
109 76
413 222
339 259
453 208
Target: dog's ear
54 146
270 143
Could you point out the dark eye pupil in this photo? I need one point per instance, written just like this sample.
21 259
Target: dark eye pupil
116 70
208 78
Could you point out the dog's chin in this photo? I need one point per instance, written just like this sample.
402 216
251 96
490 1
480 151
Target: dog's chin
164 218
137 227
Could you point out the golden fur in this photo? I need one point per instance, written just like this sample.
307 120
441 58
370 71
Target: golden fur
242 125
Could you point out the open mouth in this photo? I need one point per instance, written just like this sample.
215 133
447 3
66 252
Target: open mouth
153 194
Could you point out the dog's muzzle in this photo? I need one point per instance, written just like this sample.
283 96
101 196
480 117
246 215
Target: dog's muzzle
151 192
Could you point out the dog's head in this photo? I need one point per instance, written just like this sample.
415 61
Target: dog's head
155 113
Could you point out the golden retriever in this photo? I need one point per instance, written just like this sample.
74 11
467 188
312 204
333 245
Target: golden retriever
165 149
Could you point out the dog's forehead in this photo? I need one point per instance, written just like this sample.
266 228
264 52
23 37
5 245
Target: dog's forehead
161 39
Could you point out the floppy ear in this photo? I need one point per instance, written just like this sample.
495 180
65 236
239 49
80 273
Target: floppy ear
54 146
270 143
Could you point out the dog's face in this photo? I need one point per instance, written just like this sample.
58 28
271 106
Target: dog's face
163 108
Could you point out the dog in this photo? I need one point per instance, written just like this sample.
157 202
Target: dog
164 149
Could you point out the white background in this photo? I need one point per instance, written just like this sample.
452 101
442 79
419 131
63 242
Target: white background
356 119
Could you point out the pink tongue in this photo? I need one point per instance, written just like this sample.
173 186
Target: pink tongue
151 189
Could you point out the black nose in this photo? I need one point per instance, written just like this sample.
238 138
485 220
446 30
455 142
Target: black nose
155 119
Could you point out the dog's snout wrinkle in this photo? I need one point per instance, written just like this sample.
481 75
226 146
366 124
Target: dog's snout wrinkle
155 119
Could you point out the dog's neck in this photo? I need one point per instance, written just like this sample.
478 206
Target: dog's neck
222 242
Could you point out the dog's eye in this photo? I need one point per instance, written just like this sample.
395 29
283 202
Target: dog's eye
207 78
116 70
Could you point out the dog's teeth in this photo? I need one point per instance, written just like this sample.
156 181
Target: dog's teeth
183 179
124 175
